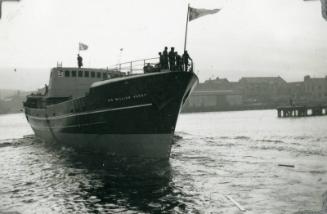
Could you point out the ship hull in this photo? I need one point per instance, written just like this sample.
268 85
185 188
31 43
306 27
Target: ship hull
134 117
127 145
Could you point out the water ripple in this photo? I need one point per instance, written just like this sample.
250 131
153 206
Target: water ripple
208 163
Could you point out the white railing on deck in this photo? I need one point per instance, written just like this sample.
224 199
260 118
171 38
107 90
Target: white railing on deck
137 66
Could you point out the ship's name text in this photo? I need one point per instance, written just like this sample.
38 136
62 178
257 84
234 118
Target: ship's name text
135 96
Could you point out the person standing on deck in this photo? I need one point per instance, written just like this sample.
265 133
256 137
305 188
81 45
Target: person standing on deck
79 61
186 57
178 62
172 59
165 58
161 61
46 89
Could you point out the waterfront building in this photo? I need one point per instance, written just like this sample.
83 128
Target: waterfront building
214 100
315 89
264 88
296 92
256 93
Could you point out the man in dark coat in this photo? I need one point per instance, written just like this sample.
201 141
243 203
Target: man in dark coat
165 58
161 60
172 59
186 57
79 61
178 62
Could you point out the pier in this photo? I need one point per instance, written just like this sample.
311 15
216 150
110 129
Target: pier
302 111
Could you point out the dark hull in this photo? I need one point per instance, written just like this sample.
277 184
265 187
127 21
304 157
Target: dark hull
132 116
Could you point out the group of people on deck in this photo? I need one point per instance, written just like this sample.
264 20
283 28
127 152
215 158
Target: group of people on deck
168 60
173 60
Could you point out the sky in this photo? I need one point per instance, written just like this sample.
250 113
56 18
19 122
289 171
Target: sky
286 38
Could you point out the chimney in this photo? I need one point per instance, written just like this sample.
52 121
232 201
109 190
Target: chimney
306 78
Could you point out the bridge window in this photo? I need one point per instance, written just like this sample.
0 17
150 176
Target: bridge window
98 75
104 75
80 73
86 74
60 73
67 73
73 73
93 74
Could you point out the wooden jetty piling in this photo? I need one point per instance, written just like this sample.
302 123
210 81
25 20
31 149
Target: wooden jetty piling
301 111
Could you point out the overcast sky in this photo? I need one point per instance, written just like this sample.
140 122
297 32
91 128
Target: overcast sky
246 38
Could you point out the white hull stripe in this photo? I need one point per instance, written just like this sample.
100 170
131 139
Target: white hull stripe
68 126
89 112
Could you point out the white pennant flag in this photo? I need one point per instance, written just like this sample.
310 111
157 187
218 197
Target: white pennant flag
82 47
195 13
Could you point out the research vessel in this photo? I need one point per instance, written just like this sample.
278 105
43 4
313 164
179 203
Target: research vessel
130 110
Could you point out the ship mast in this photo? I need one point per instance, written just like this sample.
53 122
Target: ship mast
188 10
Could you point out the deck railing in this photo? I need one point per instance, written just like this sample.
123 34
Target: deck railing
139 66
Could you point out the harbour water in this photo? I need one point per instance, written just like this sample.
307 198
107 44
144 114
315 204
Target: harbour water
216 157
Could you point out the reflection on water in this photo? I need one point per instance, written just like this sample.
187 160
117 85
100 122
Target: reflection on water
235 154
56 179
126 184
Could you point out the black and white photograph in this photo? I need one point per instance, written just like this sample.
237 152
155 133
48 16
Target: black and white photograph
163 106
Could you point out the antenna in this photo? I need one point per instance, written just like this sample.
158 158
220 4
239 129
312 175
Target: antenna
120 54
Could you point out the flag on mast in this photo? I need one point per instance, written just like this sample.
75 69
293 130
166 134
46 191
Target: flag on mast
195 13
82 46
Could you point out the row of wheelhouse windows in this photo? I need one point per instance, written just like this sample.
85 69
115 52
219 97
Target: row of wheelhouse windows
80 73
